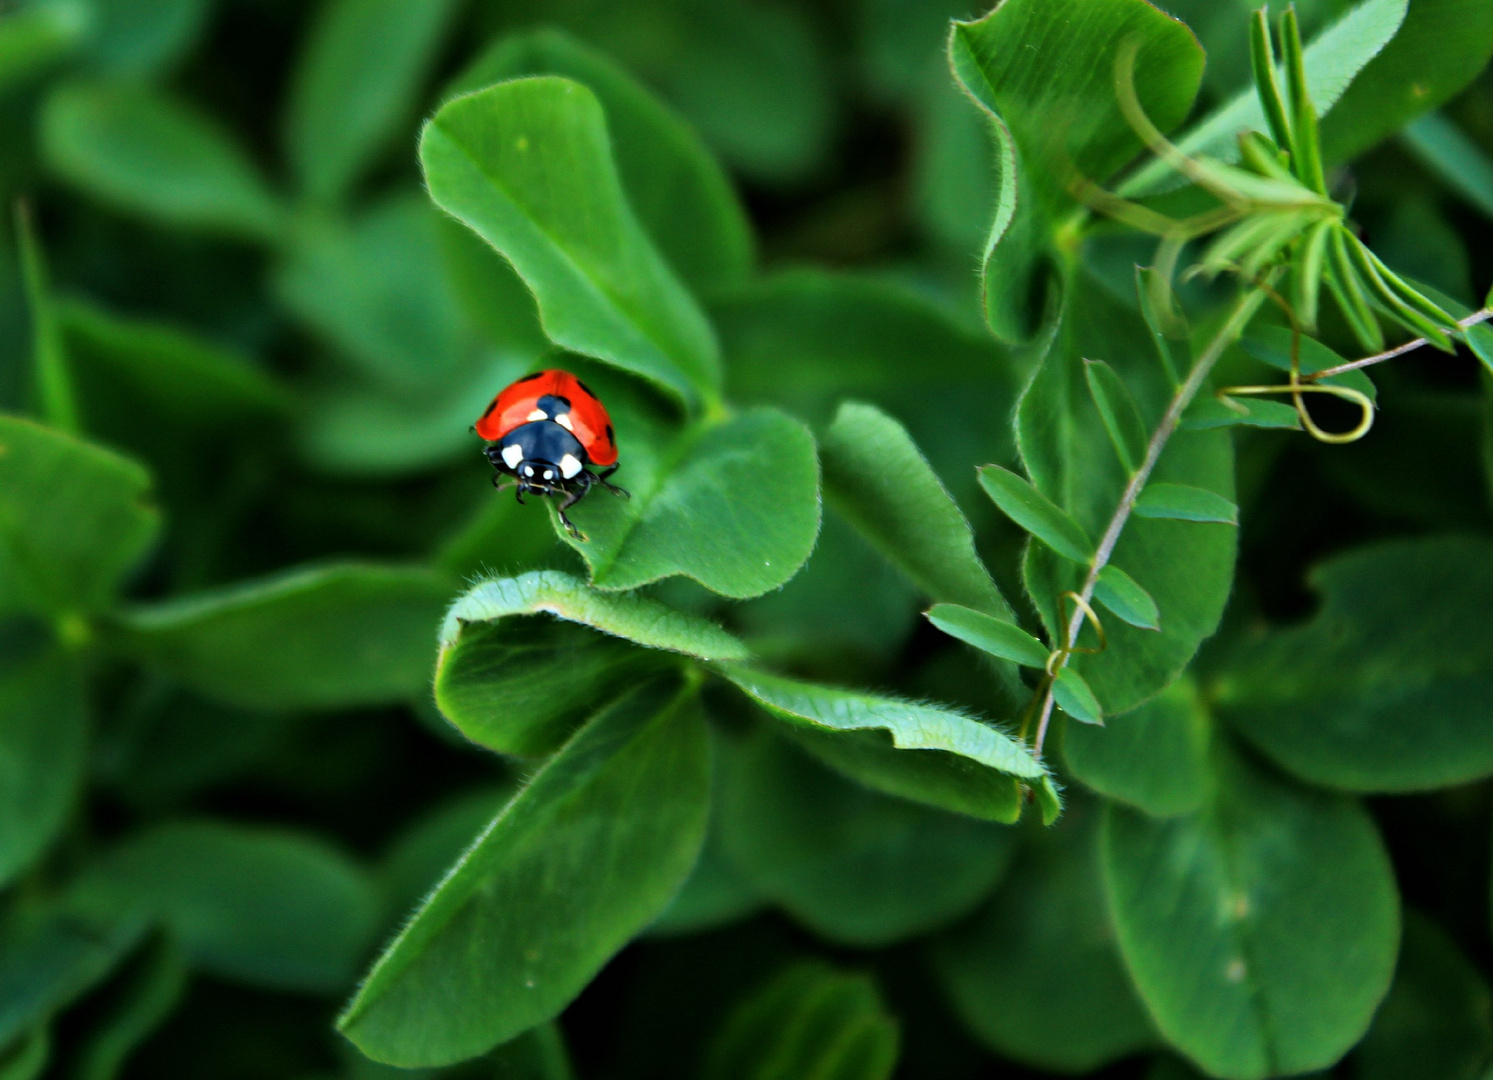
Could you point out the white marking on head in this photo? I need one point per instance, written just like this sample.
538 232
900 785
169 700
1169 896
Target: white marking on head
549 474
563 419
569 466
512 455
539 414
528 470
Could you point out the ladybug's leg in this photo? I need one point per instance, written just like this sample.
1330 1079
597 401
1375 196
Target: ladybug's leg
601 478
570 500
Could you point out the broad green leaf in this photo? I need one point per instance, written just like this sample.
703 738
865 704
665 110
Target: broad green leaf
1435 1023
1055 91
1036 974
54 956
35 37
140 37
1455 159
1261 930
73 520
875 476
514 681
357 79
1332 60
806 340
927 754
586 855
156 156
313 638
732 504
1117 408
1389 686
43 743
266 907
1075 698
1020 501
1186 567
1179 502
988 634
176 375
527 164
680 193
1398 85
1154 757
1121 594
433 842
854 866
810 1020
1054 116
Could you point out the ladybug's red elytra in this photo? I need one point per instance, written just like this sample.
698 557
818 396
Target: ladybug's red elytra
547 428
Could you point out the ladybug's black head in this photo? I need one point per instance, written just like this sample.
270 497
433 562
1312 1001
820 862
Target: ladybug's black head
541 453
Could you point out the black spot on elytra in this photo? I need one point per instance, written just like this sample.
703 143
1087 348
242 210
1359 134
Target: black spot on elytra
586 388
612 439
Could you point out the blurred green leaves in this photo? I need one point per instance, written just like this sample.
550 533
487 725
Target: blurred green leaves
810 1020
354 83
260 906
74 521
154 155
43 736
1387 688
320 637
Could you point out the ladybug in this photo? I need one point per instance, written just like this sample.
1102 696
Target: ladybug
547 427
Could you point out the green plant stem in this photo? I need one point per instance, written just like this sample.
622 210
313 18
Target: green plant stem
1399 350
1243 311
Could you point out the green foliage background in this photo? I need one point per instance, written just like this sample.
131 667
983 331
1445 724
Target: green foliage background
319 760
